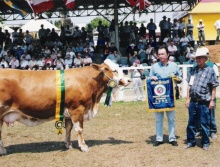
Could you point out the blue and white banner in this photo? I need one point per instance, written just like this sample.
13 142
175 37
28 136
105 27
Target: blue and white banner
160 95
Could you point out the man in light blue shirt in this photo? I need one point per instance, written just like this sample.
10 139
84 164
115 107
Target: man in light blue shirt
164 69
114 57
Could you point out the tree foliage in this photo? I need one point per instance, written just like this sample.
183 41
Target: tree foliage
64 23
95 22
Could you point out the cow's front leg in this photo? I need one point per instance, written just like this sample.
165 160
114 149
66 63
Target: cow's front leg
2 149
68 127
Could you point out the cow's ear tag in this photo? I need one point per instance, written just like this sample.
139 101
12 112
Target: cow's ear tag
112 83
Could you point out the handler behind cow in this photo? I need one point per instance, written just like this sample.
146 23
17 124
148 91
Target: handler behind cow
31 97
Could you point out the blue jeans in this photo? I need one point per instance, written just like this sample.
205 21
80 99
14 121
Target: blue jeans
198 110
171 125
213 125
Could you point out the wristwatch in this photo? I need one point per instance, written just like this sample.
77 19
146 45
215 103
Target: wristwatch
212 99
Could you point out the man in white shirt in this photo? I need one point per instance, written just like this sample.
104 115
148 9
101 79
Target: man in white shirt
68 62
40 63
24 64
201 34
70 53
217 27
172 49
14 63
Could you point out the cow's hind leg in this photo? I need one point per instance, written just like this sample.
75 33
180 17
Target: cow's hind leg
68 127
77 119
2 149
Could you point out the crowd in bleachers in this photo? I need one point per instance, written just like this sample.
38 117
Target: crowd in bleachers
76 48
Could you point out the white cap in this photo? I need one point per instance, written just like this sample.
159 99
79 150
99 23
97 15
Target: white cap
202 52
132 44
200 20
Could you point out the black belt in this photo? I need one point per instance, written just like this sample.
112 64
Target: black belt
136 77
199 101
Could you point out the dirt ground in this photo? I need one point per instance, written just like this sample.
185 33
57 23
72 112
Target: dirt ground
119 136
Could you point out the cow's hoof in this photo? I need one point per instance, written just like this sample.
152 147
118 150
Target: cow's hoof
84 148
69 146
3 151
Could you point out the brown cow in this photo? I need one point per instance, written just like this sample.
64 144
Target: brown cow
29 97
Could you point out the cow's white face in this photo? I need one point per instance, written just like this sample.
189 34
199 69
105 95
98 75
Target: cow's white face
118 74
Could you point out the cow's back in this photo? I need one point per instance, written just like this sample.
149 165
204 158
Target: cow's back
34 92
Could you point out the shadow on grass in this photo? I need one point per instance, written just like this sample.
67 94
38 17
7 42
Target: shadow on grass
56 146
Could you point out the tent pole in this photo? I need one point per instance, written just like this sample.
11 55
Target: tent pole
116 25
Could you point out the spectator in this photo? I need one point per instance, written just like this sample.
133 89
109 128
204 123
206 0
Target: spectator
19 52
169 26
176 40
26 56
53 35
32 64
28 38
20 37
8 57
106 51
40 63
68 62
78 61
114 57
137 82
3 63
175 28
24 65
48 63
142 31
70 53
87 60
153 55
181 29
151 27
53 55
191 56
184 41
164 28
59 63
15 37
201 33
189 28
42 33
68 34
191 39
217 27
3 52
2 38
77 33
14 63
172 49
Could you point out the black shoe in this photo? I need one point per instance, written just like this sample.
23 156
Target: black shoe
157 143
189 145
173 143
